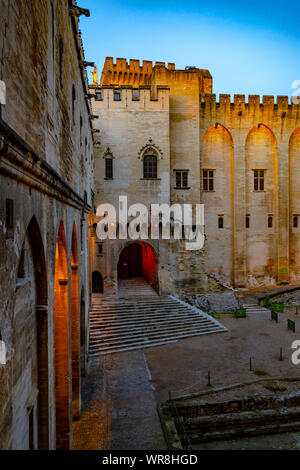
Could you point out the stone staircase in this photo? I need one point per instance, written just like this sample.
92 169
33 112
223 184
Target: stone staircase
252 307
246 424
118 325
134 288
238 418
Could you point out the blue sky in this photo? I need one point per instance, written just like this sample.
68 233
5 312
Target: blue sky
249 47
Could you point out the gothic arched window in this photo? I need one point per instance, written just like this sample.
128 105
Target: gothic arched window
150 166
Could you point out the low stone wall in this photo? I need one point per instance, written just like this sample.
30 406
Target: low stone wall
223 302
239 405
290 297
232 412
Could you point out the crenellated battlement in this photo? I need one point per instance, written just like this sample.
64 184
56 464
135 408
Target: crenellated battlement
135 64
255 102
134 72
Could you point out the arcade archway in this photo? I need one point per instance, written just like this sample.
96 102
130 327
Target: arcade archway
75 327
139 260
30 410
61 344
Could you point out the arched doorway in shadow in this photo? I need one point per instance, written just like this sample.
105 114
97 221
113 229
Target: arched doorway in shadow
30 408
97 283
136 260
61 344
75 327
131 262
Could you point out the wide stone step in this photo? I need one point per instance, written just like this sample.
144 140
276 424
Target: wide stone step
241 419
143 321
142 317
247 431
135 306
254 308
128 307
147 334
136 312
146 328
116 301
165 325
103 348
144 325
121 349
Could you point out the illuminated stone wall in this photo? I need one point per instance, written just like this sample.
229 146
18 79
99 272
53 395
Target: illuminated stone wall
46 149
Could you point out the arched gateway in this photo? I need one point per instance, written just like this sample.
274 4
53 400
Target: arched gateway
138 260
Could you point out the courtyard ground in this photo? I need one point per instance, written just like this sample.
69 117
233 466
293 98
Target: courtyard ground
121 391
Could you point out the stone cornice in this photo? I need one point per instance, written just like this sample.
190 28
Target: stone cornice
19 161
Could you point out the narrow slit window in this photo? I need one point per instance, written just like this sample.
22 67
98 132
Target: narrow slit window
109 168
21 267
270 221
247 222
160 228
73 102
61 52
221 222
9 222
295 221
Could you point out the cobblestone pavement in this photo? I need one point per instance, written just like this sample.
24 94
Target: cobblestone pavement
119 408
121 392
91 432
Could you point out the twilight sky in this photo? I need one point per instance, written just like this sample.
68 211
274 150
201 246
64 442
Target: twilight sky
249 47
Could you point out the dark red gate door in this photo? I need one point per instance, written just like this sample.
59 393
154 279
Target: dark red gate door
130 263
